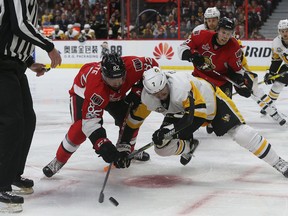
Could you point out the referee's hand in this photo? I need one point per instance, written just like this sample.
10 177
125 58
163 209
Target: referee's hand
55 57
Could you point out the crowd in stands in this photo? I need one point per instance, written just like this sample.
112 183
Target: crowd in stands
101 19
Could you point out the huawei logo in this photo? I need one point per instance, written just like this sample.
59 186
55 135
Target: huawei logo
163 49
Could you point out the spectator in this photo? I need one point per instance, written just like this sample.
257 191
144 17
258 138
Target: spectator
158 29
147 32
114 26
256 35
63 22
100 28
46 18
46 21
172 34
191 23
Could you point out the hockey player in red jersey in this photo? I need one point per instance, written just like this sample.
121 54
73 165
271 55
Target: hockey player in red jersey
214 53
217 51
103 86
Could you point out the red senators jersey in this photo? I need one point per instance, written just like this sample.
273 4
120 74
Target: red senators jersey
89 85
217 57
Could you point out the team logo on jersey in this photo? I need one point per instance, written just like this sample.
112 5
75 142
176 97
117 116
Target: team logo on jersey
96 99
206 47
160 109
114 97
279 50
93 112
226 118
239 53
138 65
208 61
163 49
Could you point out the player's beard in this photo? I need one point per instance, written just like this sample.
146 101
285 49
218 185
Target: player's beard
115 88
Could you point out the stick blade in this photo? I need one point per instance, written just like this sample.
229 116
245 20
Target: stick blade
101 197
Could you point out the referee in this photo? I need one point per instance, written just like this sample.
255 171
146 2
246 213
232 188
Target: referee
18 38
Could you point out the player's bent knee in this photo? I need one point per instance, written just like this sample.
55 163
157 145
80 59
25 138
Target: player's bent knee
245 136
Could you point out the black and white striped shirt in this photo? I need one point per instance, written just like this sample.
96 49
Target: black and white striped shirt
18 33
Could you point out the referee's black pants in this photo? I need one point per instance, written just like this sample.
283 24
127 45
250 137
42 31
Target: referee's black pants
17 121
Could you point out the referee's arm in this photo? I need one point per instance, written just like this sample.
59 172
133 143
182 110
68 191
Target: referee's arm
23 28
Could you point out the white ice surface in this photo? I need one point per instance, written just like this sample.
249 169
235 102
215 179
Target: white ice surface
223 179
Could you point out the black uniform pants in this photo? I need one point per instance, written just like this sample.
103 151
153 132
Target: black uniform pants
17 121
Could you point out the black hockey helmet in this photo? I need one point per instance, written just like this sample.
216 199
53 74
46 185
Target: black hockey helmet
226 23
112 66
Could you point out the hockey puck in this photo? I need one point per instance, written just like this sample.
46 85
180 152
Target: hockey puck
114 201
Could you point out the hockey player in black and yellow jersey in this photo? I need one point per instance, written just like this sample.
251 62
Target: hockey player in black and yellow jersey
198 102
279 64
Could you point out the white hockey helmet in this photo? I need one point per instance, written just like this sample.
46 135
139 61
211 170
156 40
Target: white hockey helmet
283 24
86 26
154 80
212 12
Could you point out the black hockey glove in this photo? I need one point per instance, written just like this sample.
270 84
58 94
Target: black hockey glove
158 136
243 91
133 98
108 152
267 79
245 82
198 60
123 161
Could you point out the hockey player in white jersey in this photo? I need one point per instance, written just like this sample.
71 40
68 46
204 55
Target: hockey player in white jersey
199 102
211 19
279 64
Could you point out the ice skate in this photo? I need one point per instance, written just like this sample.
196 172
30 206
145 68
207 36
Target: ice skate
53 167
282 166
278 118
263 111
10 203
23 186
186 157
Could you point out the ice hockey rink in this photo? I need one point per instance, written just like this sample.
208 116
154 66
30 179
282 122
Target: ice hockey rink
223 179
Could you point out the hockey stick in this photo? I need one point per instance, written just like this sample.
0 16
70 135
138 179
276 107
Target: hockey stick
269 78
274 77
101 195
227 79
238 86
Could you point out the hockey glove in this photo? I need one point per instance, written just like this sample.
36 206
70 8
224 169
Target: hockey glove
245 82
243 91
198 60
267 77
159 135
123 161
108 152
134 97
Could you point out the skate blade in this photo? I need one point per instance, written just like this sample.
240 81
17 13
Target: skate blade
22 191
10 208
